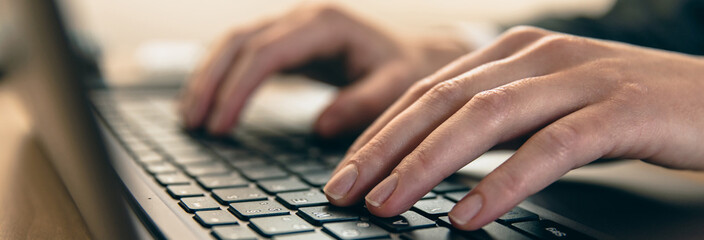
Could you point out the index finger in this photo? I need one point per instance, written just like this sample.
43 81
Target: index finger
510 42
285 46
196 97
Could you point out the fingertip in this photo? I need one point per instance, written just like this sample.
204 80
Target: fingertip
195 113
464 214
327 125
184 106
215 123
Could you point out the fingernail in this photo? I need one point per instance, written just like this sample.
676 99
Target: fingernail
383 191
466 210
342 182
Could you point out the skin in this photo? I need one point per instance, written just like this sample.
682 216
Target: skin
574 99
377 67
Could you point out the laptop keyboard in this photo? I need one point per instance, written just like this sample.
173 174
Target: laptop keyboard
261 184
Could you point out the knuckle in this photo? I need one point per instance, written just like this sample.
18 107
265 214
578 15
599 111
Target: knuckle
422 159
509 184
327 11
624 85
610 70
444 92
495 104
560 139
260 50
257 45
419 88
523 33
524 30
632 90
560 44
374 149
630 95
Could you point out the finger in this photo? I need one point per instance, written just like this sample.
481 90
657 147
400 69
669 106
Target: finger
376 159
570 142
489 118
509 43
356 106
201 88
273 50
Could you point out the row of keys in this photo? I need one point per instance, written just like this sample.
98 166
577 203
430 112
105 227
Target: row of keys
265 193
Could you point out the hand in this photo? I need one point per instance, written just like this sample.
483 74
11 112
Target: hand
313 40
577 99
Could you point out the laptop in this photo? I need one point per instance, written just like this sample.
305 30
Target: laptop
135 174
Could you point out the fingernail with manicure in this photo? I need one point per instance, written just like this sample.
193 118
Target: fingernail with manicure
466 210
342 182
383 191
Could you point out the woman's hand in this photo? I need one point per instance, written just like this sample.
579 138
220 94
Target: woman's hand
316 40
578 99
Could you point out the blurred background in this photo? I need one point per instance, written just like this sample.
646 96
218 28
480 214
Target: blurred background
162 40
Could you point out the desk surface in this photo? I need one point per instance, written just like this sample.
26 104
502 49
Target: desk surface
35 203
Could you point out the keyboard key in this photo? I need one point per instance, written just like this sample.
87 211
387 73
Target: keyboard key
160 167
546 229
192 204
287 158
282 185
278 225
247 210
215 217
185 152
305 236
248 162
444 221
333 160
184 160
446 186
439 233
433 208
408 220
232 152
355 230
226 181
150 157
317 179
492 230
243 194
456 196
234 232
180 191
295 200
207 169
517 214
262 173
326 214
307 167
172 179
429 195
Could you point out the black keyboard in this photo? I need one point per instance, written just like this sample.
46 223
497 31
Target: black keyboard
261 184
